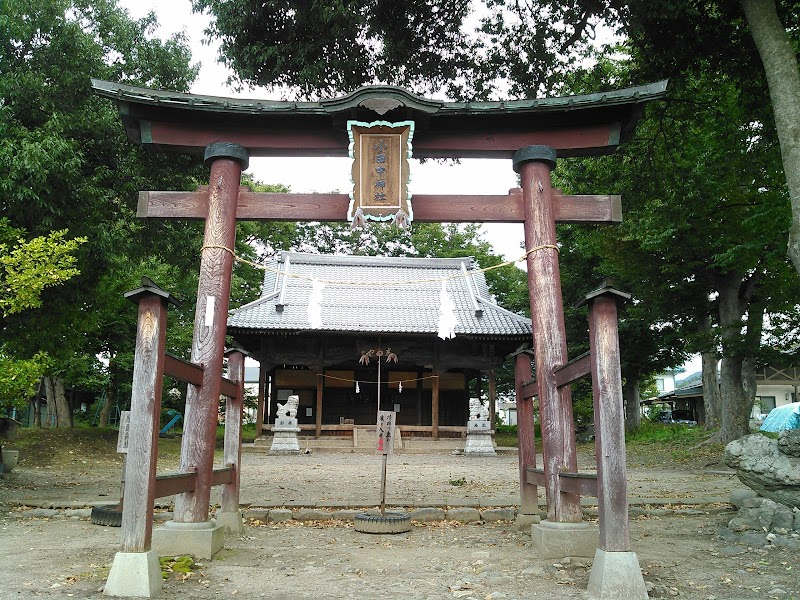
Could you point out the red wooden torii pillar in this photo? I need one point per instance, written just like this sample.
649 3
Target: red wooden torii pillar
530 132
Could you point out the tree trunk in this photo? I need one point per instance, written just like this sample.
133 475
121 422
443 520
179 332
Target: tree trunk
735 293
37 412
630 395
50 397
37 405
64 412
712 403
780 66
736 402
108 402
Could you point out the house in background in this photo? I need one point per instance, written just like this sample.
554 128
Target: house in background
507 410
775 386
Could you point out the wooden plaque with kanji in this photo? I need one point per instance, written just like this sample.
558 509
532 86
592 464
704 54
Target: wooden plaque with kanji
380 153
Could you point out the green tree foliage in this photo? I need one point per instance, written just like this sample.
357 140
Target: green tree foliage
67 164
18 380
704 229
321 47
27 267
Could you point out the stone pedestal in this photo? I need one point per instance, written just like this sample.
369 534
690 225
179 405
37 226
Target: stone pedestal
479 438
231 521
134 574
524 521
557 540
201 540
284 436
616 576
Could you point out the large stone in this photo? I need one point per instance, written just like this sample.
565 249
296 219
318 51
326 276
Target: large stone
201 540
427 514
464 514
498 514
739 495
762 467
557 540
789 442
766 515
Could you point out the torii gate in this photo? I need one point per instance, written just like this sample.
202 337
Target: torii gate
532 133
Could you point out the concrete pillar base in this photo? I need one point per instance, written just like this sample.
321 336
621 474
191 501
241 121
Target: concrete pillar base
231 521
557 540
616 576
524 521
201 540
135 574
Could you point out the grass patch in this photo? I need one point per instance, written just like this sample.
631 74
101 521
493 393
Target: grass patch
675 443
506 436
458 482
183 566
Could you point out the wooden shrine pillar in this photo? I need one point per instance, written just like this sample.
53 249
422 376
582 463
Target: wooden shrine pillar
318 409
609 423
526 436
435 394
208 344
492 395
534 164
148 378
229 515
136 554
262 387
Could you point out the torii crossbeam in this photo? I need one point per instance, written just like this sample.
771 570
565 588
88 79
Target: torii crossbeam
533 134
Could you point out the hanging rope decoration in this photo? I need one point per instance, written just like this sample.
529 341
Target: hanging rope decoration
458 275
358 381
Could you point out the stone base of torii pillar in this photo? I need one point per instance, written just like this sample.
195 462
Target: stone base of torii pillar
616 576
134 574
201 540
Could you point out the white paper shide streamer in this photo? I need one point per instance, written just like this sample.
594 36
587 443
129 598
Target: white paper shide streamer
315 304
447 314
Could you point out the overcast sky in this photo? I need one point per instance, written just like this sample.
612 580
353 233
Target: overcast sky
474 176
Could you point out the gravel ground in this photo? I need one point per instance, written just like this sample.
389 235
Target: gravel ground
675 528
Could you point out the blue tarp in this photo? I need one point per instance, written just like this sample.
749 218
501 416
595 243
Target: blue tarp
783 417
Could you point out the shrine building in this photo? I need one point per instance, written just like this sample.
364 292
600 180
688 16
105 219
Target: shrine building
392 305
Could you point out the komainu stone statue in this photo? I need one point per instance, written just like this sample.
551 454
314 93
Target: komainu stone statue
477 411
290 408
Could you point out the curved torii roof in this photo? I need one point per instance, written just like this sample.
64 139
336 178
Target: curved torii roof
573 125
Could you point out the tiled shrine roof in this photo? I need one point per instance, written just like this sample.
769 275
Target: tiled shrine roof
376 295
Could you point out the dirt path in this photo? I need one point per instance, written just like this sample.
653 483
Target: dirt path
680 552
680 557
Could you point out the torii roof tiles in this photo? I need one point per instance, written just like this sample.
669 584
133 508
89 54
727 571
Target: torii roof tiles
399 295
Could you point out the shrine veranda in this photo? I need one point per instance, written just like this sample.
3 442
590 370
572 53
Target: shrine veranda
533 134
